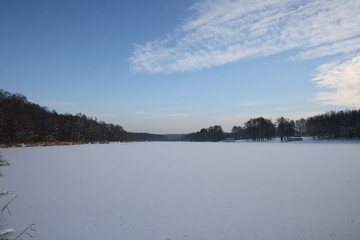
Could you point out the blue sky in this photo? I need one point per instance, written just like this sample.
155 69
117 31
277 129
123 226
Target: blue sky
176 66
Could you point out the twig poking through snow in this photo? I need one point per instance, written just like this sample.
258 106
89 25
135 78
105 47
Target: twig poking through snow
30 227
7 207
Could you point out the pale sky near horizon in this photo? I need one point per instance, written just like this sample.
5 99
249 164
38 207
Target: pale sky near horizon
171 66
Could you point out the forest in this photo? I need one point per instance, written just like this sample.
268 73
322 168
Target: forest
24 122
330 125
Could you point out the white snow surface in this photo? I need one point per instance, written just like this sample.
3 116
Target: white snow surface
181 190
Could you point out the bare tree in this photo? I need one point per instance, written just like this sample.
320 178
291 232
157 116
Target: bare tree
285 128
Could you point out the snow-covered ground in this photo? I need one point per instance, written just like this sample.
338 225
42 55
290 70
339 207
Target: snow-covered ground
209 191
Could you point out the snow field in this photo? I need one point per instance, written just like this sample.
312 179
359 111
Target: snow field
180 190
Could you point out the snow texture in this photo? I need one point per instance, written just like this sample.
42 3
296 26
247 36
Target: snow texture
180 190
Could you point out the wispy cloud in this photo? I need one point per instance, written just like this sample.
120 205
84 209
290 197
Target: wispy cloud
223 31
342 79
141 112
342 47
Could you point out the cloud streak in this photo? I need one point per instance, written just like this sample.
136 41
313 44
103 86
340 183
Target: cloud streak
341 78
224 31
342 47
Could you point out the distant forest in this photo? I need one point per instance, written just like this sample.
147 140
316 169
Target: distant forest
24 122
331 125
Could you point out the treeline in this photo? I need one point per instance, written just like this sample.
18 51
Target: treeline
147 137
24 122
334 125
211 134
331 125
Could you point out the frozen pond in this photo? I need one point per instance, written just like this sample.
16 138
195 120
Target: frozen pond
211 191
